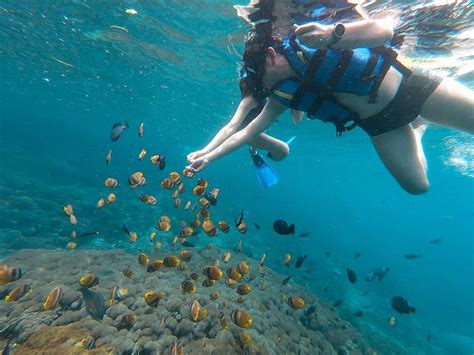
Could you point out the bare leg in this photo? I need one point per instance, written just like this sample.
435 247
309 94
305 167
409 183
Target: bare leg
451 105
402 154
276 147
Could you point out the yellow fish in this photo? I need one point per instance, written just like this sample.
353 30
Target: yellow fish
54 297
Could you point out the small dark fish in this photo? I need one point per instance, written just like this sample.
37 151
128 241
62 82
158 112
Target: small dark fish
257 226
377 273
162 163
356 255
337 303
87 234
304 235
240 220
95 303
436 241
400 304
299 261
188 244
286 280
118 129
412 256
125 229
358 313
281 227
212 200
351 276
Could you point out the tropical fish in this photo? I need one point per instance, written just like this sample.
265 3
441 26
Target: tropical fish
111 183
194 276
140 128
234 274
209 228
223 320
152 236
215 295
9 275
159 160
128 273
296 302
213 273
244 289
281 227
377 273
155 265
188 204
239 219
72 219
143 259
304 235
204 212
188 173
241 319
243 267
177 202
412 256
54 297
166 184
188 287
95 303
111 198
89 280
128 320
148 199
351 276
175 178
71 245
118 294
136 179
18 292
287 259
392 321
101 203
262 259
152 298
400 304
68 210
164 224
210 198
204 202
242 227
133 236
208 283
299 261
185 255
171 261
198 190
108 159
118 129
177 348
194 309
142 154
226 257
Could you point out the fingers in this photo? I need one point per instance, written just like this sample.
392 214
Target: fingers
308 27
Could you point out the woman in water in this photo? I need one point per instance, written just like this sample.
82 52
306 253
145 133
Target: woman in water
343 73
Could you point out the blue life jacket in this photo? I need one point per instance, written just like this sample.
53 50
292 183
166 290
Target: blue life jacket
324 71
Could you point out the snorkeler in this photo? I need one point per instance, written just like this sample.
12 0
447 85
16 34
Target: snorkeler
345 74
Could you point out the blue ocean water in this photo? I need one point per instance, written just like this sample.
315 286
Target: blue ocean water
67 76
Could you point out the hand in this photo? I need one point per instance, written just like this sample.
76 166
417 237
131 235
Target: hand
198 164
195 155
314 34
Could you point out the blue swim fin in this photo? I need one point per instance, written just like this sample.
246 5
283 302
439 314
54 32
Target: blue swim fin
265 173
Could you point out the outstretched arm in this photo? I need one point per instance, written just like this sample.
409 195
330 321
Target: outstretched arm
360 34
269 114
245 106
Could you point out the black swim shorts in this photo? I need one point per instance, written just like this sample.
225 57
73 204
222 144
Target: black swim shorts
405 107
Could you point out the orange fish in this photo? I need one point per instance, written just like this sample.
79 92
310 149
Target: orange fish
175 178
133 236
202 182
142 154
224 226
213 273
8 275
205 213
101 203
242 227
68 210
243 267
108 159
186 232
188 173
241 319
148 199
209 228
296 302
167 184
185 255
199 190
140 130
71 245
152 236
111 183
194 309
136 179
111 198
53 299
204 202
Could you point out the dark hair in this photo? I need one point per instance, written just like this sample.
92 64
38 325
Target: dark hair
254 57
